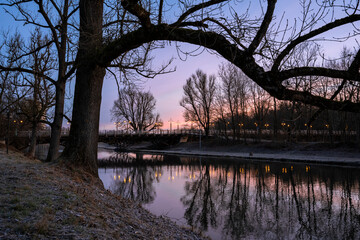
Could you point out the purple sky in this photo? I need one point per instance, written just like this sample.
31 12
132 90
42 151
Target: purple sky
166 88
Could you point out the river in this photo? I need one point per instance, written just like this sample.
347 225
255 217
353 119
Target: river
237 199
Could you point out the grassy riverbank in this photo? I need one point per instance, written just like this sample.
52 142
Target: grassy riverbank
46 201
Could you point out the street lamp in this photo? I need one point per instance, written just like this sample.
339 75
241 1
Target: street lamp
170 121
117 124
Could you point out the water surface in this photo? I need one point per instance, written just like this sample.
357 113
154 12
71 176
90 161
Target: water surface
236 199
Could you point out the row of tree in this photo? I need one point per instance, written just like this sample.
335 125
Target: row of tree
232 102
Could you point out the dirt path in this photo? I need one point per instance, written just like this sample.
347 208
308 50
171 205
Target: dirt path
45 201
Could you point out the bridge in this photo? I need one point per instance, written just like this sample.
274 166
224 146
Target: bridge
163 138
122 139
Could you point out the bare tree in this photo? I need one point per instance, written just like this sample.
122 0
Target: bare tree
136 108
235 92
199 92
260 100
41 96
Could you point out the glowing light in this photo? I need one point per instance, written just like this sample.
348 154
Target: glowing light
284 170
114 177
129 180
119 177
267 168
172 178
124 180
292 168
307 168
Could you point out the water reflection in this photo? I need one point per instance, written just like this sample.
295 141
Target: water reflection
233 200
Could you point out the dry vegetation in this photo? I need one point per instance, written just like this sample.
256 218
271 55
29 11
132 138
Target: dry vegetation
46 201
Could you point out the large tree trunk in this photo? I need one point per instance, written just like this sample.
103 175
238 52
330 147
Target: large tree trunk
57 123
81 148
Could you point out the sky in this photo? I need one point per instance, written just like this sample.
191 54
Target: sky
167 88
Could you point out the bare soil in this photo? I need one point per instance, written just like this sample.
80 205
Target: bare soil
47 201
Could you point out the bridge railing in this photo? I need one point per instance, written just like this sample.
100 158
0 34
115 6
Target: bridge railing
154 132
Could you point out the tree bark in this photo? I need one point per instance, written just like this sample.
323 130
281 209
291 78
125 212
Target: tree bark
81 148
32 147
57 123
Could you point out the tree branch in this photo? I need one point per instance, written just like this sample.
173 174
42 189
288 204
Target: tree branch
313 33
25 70
196 8
263 28
134 8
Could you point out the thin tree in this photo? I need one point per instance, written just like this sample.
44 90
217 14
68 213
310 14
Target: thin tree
234 89
41 97
198 99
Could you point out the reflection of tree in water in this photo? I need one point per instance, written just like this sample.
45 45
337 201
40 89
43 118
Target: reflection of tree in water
200 201
236 219
254 202
138 180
